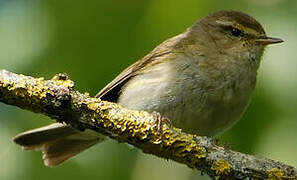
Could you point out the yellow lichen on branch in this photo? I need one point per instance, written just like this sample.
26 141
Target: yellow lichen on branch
140 126
275 174
221 167
58 99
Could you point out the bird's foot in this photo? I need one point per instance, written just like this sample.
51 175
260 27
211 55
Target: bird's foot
160 120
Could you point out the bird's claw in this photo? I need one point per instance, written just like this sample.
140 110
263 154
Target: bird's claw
160 120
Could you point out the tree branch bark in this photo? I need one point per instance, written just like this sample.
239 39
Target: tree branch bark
58 99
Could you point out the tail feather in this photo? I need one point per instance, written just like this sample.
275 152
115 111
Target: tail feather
58 142
56 152
33 139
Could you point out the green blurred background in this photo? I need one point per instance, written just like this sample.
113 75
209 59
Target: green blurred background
94 40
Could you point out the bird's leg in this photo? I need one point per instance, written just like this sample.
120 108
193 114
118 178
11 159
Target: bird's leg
160 120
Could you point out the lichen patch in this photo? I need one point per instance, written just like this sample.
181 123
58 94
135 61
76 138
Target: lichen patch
275 174
221 167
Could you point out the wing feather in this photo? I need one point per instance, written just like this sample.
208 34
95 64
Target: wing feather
111 91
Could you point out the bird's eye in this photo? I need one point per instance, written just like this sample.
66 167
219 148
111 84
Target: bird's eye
236 32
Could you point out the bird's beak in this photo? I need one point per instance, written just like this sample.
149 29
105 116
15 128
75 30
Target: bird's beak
264 40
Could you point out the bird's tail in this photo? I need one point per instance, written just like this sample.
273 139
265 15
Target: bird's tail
58 142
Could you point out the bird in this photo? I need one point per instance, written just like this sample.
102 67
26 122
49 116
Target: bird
201 80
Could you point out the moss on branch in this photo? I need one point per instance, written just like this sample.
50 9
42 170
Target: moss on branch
58 99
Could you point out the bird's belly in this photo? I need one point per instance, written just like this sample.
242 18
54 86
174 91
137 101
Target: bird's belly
185 100
213 114
191 111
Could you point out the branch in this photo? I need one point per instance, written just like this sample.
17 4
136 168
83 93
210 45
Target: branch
58 99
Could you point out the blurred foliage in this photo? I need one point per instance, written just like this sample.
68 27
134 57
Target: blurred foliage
93 41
